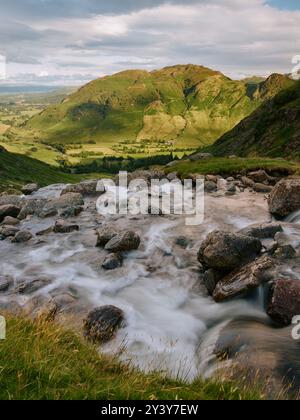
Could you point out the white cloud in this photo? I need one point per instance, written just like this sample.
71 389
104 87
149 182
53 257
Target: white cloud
234 36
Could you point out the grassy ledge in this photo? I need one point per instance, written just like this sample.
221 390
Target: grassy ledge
231 166
42 361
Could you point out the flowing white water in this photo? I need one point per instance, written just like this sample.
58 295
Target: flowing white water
171 323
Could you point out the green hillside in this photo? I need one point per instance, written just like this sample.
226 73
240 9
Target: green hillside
176 108
273 130
18 170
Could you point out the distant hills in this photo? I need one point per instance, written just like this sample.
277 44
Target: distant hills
273 130
186 105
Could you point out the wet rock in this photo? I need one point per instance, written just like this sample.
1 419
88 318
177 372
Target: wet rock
285 197
284 301
29 286
10 221
9 210
72 212
62 227
262 188
126 241
91 187
262 231
112 261
13 200
5 283
64 202
183 242
244 280
29 189
285 252
104 235
8 231
211 278
210 186
260 177
231 188
22 236
45 231
247 182
32 208
226 251
102 323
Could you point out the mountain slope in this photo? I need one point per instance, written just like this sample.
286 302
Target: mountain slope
18 170
186 105
273 130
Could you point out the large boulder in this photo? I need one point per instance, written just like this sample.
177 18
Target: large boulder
9 210
262 230
242 281
29 189
102 323
285 197
65 201
126 241
284 301
226 251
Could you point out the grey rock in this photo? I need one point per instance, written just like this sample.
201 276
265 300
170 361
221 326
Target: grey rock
104 235
9 210
285 197
126 241
244 280
10 221
284 301
102 323
32 208
112 261
211 278
64 202
8 231
226 251
62 227
90 187
285 252
29 189
22 236
72 212
210 186
31 285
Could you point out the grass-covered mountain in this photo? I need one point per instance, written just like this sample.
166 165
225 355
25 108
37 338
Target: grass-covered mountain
273 130
185 106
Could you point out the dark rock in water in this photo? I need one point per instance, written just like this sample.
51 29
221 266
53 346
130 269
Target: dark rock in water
45 231
247 182
262 231
260 177
102 323
285 197
262 188
211 278
226 251
284 301
29 286
104 235
22 236
8 231
183 242
72 212
9 210
65 201
285 252
210 186
112 261
10 221
5 283
90 187
231 188
126 241
32 208
62 227
244 280
29 189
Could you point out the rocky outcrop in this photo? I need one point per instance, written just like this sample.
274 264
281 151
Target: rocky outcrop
284 301
102 323
90 187
29 189
14 200
285 197
9 210
126 241
32 208
65 201
226 251
244 280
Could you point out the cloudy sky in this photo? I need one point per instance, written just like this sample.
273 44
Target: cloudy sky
72 41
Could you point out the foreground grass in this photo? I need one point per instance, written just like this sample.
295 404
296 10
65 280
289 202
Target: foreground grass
231 166
40 360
